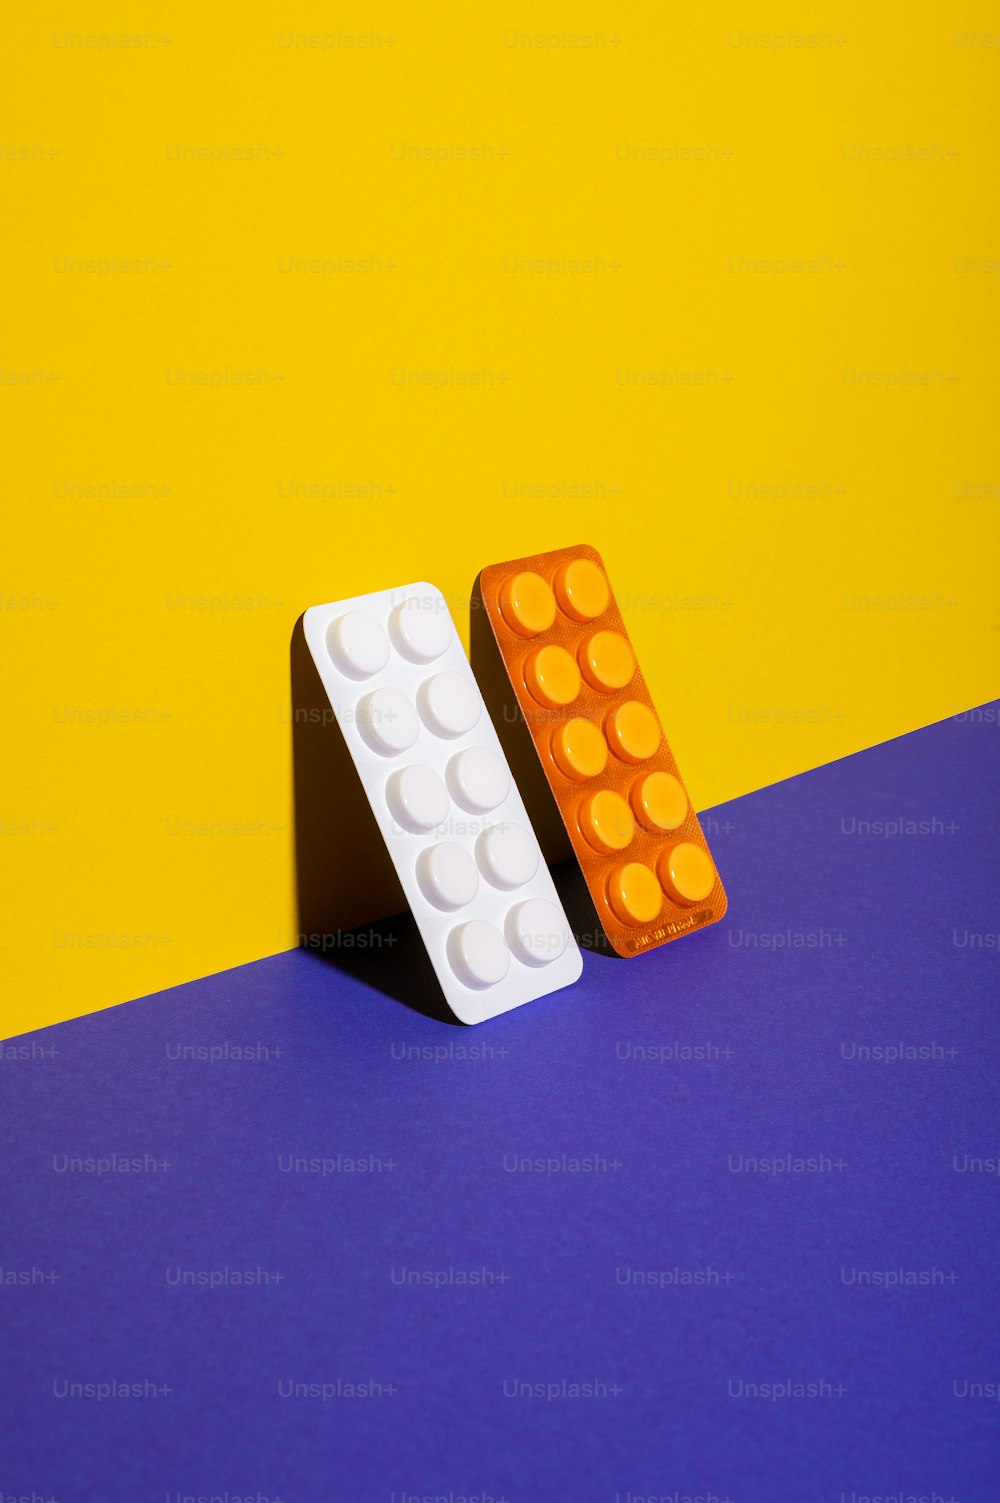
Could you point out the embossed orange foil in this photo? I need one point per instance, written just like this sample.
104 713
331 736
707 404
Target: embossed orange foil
601 745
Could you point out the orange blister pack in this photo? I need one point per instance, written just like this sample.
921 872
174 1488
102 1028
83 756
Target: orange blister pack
595 728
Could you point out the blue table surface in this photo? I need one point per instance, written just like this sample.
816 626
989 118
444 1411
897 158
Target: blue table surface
718 1222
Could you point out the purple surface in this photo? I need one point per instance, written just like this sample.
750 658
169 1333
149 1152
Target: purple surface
777 1300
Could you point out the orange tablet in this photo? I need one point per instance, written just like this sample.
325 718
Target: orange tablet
595 728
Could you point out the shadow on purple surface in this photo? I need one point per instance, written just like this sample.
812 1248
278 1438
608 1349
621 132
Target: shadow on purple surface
389 956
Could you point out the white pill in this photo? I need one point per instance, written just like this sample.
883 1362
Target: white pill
357 644
478 953
447 875
537 931
421 628
450 704
508 855
388 721
417 798
478 779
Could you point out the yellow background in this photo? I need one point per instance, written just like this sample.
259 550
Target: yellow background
468 192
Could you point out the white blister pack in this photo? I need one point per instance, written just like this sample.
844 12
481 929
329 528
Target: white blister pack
443 797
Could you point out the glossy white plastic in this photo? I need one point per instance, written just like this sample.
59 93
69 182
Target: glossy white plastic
435 774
